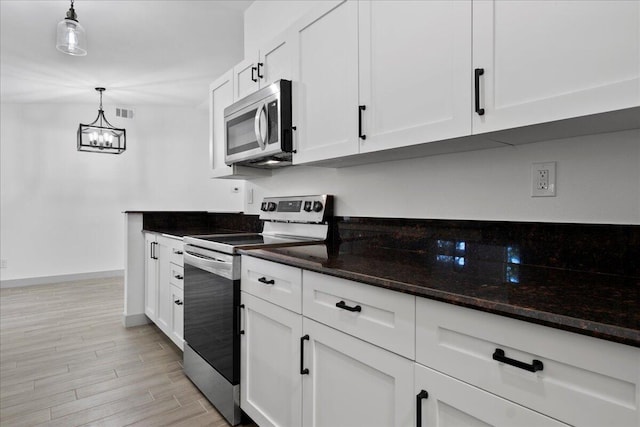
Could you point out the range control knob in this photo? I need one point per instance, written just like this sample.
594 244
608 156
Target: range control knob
307 206
263 207
317 206
271 206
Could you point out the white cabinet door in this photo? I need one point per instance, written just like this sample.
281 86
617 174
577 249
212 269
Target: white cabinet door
220 97
415 62
150 277
245 79
353 383
551 60
275 61
270 380
326 82
177 317
165 303
446 402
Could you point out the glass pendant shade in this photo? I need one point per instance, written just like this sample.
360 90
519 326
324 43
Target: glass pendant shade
100 136
71 38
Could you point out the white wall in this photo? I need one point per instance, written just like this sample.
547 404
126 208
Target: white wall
598 181
61 210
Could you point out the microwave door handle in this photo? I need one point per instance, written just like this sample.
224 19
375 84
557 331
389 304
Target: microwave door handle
258 127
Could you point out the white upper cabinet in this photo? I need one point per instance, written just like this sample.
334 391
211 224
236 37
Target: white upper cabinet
415 58
326 82
551 60
271 63
220 96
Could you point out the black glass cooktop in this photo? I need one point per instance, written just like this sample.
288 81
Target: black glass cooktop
238 240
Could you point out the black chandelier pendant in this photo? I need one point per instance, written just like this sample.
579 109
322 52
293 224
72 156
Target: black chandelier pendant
100 136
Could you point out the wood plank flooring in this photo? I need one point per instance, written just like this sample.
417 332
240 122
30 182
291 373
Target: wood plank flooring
66 360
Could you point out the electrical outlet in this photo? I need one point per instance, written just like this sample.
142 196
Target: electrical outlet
250 196
3 263
543 179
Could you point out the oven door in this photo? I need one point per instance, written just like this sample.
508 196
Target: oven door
211 301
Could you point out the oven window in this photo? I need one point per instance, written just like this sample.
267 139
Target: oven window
241 135
210 320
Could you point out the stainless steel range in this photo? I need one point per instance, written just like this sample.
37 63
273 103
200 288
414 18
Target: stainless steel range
212 292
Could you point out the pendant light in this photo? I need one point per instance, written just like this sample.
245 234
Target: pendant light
71 38
100 136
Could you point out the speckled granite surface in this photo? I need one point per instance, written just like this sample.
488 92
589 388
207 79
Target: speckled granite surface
575 277
193 223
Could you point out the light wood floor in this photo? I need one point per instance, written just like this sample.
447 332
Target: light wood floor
66 360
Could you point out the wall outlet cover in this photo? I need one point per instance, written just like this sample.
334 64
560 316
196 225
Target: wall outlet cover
543 179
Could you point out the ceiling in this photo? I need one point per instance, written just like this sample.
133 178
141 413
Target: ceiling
158 52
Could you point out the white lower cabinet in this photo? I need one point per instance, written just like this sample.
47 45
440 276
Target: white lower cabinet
163 284
352 382
327 361
443 401
270 380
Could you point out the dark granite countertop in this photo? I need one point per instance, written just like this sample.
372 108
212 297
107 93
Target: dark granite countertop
182 224
478 265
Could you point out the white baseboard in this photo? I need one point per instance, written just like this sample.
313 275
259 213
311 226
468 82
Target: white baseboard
30 281
131 320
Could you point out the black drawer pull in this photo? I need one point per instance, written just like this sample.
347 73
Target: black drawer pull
343 305
422 395
178 302
260 76
177 252
266 282
477 73
179 276
303 370
253 76
535 365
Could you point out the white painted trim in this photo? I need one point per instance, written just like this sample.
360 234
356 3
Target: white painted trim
131 320
30 281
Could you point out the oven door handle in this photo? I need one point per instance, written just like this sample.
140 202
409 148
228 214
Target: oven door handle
206 263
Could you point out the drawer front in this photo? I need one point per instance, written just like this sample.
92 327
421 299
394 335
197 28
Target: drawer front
599 378
380 316
176 275
273 282
176 251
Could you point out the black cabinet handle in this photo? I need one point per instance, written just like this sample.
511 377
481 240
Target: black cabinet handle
260 76
535 365
343 305
361 108
178 302
422 395
253 75
177 252
303 370
478 72
178 276
266 282
240 330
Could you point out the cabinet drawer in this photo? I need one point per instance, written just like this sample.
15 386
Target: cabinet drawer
582 380
176 275
379 316
276 283
175 252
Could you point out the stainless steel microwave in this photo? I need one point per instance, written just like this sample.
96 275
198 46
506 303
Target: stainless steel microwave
258 130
